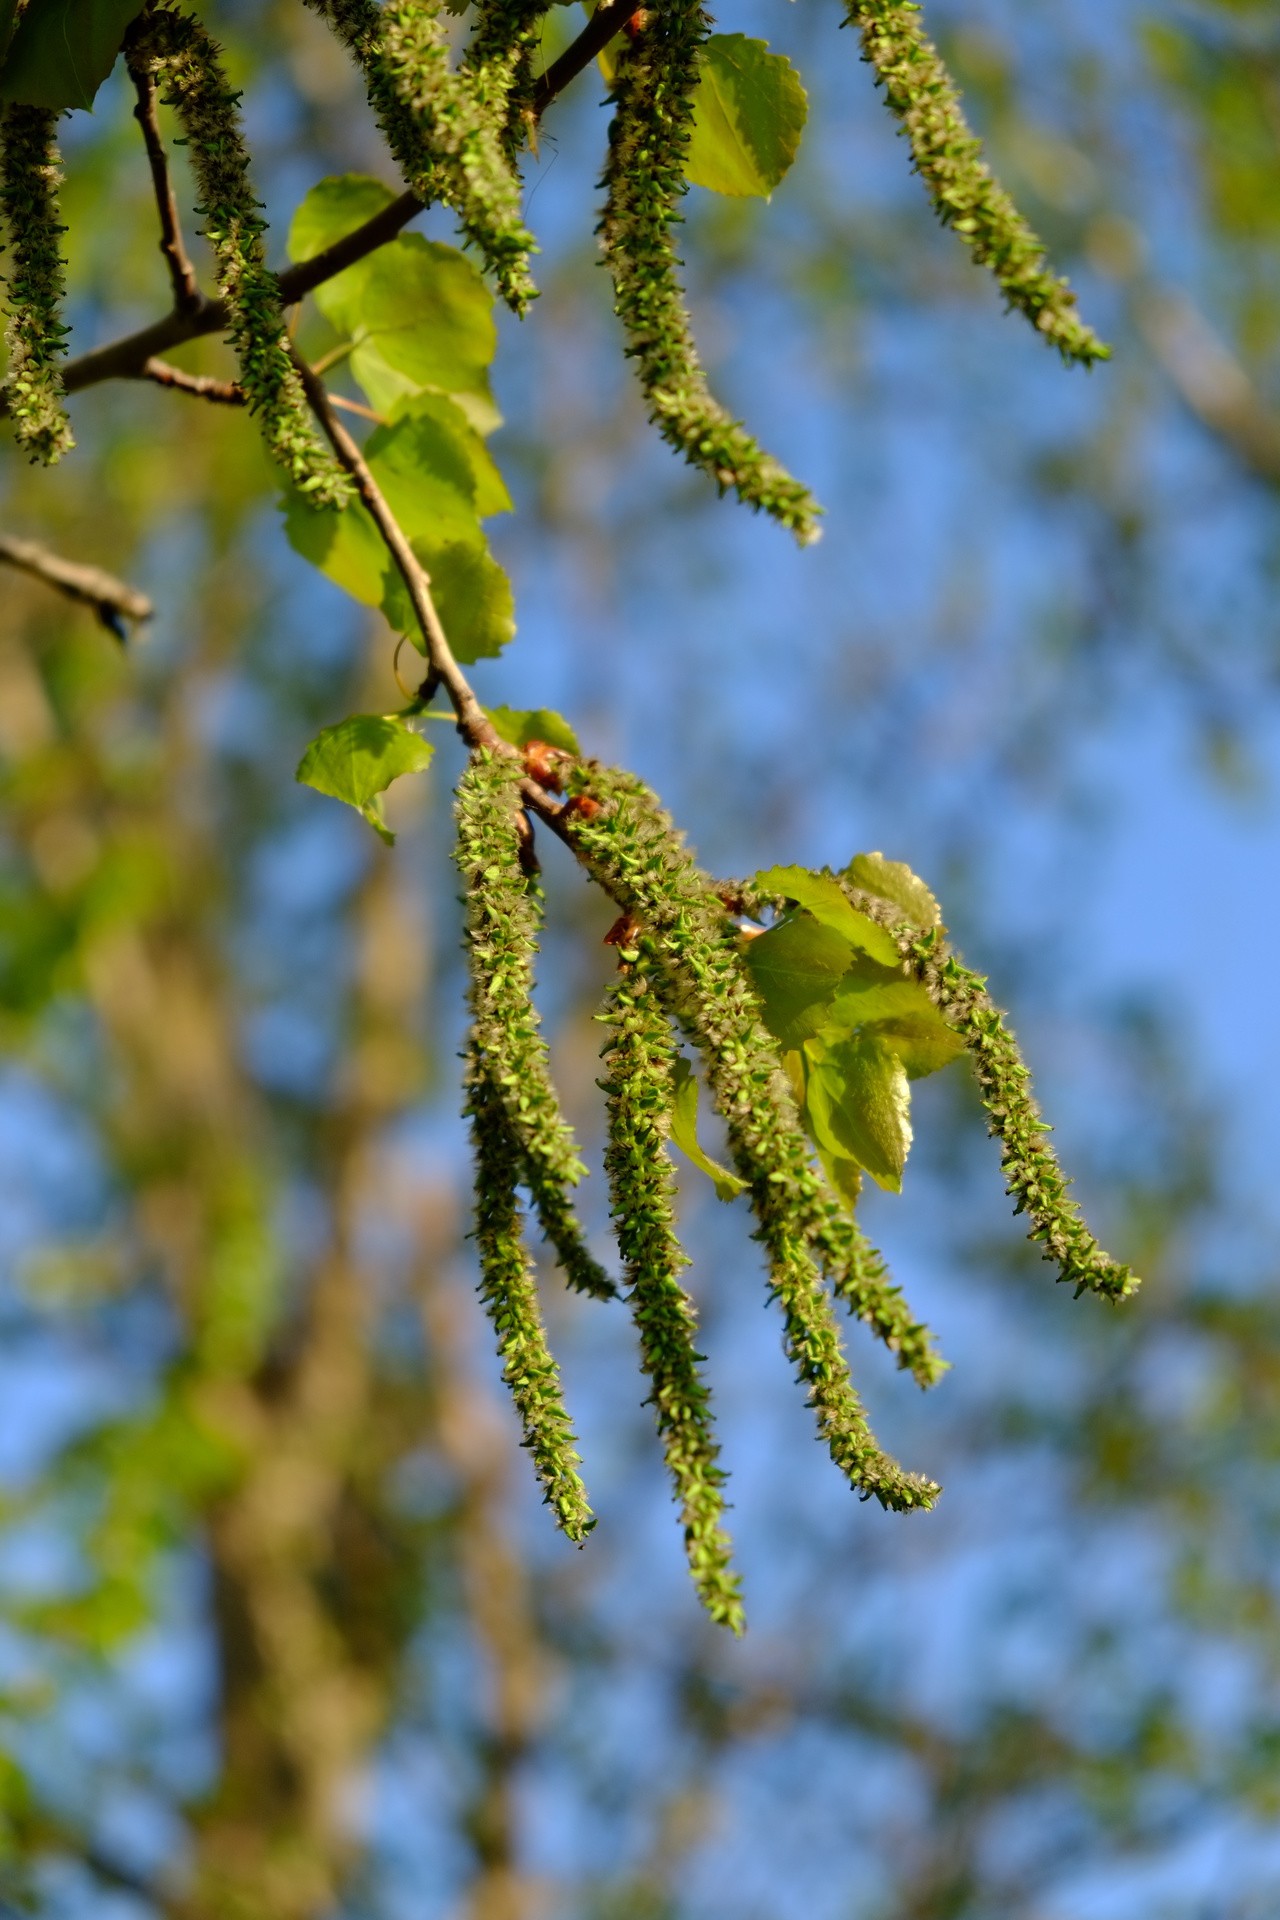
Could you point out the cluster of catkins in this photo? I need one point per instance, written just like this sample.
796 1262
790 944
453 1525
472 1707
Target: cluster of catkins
456 133
681 973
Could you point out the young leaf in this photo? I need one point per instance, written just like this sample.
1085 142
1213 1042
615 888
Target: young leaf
357 760
858 1098
684 1131
894 881
796 968
901 1014
62 50
822 895
520 726
472 594
333 208
749 114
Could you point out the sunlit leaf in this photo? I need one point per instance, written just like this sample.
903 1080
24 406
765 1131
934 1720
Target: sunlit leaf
899 1013
356 761
749 113
822 896
893 880
684 1131
860 1101
796 968
521 725
471 592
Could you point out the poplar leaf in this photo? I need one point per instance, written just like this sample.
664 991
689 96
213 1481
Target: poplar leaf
901 1014
61 50
520 725
822 895
417 312
859 1099
749 112
684 1131
472 596
894 881
356 761
796 968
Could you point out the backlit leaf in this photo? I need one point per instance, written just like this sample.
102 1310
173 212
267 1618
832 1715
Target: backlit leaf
796 968
901 1014
822 895
749 113
684 1131
357 760
521 725
471 593
894 881
859 1099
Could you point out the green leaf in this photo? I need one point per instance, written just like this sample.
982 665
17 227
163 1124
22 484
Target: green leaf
62 50
748 115
796 968
357 760
472 594
859 1101
684 1131
894 881
521 725
899 1013
418 312
337 206
822 895
8 20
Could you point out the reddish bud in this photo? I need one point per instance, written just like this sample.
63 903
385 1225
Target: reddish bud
636 25
624 932
580 807
546 764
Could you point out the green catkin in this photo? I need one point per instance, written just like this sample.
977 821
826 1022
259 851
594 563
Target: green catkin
1033 1176
503 918
966 196
447 131
638 1089
35 335
637 855
644 181
187 68
511 1302
502 60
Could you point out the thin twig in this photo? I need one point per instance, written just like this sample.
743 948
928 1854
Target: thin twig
111 599
609 18
187 297
473 723
202 386
356 406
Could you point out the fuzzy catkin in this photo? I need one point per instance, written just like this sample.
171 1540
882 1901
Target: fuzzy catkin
34 335
447 131
644 181
637 854
502 925
921 94
638 1060
501 59
185 63
1034 1177
510 1299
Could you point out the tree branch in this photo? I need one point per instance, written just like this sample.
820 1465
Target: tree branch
111 599
608 19
202 386
473 722
187 297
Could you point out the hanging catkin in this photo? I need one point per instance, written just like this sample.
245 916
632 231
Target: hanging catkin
503 919
966 196
636 853
34 335
644 181
638 1060
186 66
